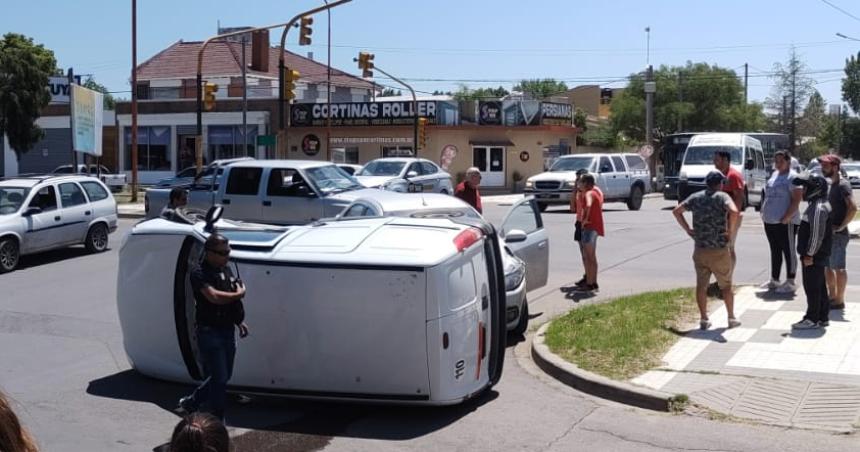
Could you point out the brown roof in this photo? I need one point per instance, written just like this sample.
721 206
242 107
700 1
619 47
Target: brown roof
223 59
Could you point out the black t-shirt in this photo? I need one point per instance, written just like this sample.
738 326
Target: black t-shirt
838 203
210 314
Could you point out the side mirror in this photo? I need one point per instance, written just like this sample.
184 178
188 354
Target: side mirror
411 174
749 165
212 217
515 236
31 211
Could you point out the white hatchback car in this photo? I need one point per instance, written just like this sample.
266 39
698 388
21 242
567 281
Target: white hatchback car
39 213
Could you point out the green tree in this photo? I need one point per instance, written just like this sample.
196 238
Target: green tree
109 101
24 71
791 82
812 121
464 93
541 88
711 100
389 92
851 83
830 134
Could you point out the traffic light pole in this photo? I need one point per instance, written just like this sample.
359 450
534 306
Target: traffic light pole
414 107
282 101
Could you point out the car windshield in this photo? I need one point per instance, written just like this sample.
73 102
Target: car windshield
572 164
331 179
11 199
704 155
382 168
850 167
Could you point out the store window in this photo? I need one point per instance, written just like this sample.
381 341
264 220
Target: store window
153 148
397 151
226 142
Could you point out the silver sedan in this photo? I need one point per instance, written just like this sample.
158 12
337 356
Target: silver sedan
405 175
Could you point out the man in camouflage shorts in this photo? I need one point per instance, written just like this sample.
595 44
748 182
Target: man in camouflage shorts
714 220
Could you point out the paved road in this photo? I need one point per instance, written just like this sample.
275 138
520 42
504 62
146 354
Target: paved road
61 359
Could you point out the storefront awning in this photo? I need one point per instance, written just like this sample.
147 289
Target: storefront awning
503 143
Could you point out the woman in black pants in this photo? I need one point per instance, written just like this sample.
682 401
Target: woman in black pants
779 212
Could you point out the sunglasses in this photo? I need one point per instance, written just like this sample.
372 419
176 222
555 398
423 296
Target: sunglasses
224 253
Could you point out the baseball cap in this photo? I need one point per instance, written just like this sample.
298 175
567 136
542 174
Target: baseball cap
714 177
832 159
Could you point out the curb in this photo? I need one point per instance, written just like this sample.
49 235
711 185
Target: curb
596 385
128 215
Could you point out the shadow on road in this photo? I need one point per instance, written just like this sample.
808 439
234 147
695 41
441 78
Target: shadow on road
285 421
54 256
769 295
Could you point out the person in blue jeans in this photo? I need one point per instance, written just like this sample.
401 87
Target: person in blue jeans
218 299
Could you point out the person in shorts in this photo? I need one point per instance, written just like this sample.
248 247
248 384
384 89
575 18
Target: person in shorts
714 222
589 211
843 210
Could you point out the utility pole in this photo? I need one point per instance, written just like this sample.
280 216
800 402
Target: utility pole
134 101
680 98
746 82
650 89
71 75
792 143
244 99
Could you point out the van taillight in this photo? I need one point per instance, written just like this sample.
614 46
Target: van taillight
467 238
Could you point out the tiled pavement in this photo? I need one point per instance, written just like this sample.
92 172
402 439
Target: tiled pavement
765 371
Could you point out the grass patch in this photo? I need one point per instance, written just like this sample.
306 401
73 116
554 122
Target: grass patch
625 337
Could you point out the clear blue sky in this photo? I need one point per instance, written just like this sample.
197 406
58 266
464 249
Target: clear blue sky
499 40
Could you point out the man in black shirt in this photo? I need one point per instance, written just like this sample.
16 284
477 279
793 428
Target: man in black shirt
813 246
218 298
843 211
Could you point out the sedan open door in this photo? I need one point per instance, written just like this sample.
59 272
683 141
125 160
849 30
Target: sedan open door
524 234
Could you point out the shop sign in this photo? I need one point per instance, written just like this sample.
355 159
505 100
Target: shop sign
310 144
490 113
361 140
524 156
265 140
365 113
59 88
554 114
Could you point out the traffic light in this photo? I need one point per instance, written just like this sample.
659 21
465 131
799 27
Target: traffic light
365 63
422 133
291 76
209 90
306 31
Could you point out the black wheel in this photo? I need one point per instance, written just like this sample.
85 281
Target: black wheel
523 324
444 192
634 202
97 238
542 207
9 254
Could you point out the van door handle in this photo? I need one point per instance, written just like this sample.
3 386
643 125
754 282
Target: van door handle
485 303
57 218
267 203
87 212
225 201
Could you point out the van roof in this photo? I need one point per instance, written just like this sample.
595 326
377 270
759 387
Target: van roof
717 139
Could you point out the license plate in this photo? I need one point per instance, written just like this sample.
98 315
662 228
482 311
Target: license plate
545 195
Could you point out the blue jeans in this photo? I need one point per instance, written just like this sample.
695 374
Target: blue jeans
217 350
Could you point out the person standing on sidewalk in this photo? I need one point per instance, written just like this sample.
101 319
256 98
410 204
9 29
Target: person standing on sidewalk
813 246
779 213
468 189
715 218
577 198
843 210
733 185
218 298
590 213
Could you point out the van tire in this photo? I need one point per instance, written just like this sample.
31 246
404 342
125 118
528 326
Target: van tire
523 324
10 254
97 238
634 202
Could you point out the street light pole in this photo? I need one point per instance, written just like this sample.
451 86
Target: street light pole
647 46
328 89
414 107
133 100
847 37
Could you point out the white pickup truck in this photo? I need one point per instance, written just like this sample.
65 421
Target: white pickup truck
269 191
115 182
621 178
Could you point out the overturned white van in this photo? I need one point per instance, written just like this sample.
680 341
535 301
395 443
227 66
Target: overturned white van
382 309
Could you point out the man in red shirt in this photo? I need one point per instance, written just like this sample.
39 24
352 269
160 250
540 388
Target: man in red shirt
589 211
468 189
734 187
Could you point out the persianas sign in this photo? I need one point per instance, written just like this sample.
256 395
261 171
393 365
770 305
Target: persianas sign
87 119
363 113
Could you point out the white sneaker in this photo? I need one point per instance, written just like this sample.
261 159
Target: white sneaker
787 287
770 285
805 324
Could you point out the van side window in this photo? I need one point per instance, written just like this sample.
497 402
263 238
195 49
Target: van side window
244 181
759 159
45 199
619 163
461 286
71 195
634 163
605 165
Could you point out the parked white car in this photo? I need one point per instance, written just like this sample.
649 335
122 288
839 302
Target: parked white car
390 310
116 182
405 175
521 235
46 212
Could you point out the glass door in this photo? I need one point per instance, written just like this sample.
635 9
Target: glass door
491 162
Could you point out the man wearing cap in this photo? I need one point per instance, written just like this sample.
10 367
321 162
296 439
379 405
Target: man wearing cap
715 219
733 185
468 189
843 210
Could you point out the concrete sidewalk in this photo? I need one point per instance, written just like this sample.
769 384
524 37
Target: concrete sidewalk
764 371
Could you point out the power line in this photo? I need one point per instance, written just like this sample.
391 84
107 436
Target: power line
840 10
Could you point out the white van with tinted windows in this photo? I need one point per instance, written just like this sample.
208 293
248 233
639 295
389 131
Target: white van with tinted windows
747 158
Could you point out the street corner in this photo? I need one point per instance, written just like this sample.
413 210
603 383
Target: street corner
766 372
